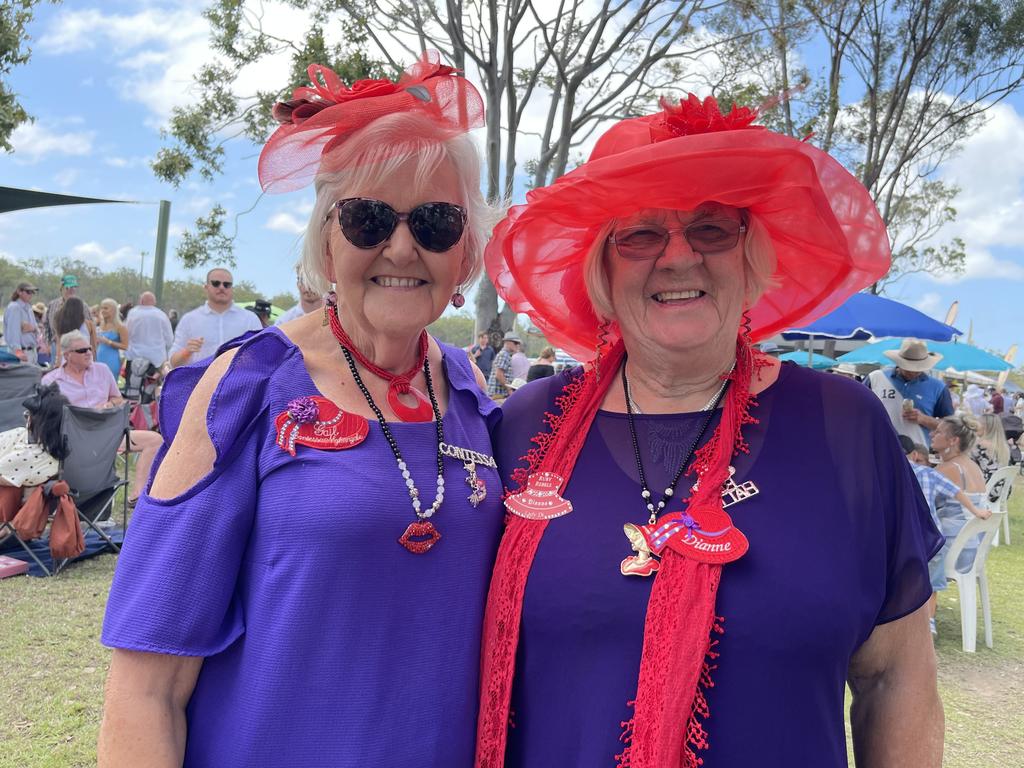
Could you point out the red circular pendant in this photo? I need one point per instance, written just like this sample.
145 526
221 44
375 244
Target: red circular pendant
421 411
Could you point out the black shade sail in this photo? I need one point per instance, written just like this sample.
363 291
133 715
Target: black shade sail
12 199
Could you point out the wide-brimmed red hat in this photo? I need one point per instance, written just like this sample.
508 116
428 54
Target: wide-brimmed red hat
829 239
324 114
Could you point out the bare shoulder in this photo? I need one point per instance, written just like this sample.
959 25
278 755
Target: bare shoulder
191 454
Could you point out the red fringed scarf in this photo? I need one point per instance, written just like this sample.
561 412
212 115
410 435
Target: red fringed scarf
678 650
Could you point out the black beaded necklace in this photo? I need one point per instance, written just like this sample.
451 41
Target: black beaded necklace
421 535
645 492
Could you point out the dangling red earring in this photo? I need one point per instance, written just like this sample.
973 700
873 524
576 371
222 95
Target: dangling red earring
457 298
745 326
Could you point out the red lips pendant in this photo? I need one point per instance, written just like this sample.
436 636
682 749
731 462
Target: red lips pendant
317 422
420 536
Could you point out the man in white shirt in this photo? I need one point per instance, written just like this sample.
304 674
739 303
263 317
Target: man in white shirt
149 332
309 301
201 331
520 363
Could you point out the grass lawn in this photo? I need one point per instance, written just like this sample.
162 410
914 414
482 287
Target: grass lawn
53 666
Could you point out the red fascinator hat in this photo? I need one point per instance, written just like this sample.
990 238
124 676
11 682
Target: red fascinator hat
828 237
321 116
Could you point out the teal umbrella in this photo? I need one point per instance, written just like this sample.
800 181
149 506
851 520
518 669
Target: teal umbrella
962 357
818 362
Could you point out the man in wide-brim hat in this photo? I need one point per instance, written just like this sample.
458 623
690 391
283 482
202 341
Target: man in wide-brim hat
914 400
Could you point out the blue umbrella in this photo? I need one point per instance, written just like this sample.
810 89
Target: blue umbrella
864 315
962 357
818 362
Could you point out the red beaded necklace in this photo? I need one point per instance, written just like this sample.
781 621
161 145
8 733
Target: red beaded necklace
398 384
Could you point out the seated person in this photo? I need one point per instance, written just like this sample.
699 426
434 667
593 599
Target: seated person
937 488
89 384
31 455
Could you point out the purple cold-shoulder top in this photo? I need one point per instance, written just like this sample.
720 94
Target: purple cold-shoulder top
840 537
326 643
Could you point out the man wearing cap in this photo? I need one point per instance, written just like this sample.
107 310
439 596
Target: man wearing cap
68 288
20 329
914 400
501 368
201 331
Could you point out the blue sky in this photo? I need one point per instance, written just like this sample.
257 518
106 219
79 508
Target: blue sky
105 75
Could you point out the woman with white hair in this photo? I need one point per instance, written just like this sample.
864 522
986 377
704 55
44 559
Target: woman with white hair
304 581
775 538
89 384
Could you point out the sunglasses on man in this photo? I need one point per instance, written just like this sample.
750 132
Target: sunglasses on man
29 291
81 351
366 223
219 283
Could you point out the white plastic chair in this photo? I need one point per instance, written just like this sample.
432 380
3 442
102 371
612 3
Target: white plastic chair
1006 475
971 582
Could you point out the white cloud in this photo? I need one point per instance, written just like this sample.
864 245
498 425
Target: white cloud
286 222
66 178
97 254
126 162
929 303
35 141
990 173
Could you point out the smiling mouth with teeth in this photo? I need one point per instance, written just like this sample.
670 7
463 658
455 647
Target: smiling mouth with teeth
398 282
667 296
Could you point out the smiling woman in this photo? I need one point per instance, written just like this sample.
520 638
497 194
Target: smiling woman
765 502
314 550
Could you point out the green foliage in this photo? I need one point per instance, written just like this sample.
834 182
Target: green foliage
284 300
123 285
15 16
454 328
207 244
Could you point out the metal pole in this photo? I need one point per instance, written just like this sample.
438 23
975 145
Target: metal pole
160 258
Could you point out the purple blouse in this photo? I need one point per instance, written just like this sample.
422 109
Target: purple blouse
840 537
326 643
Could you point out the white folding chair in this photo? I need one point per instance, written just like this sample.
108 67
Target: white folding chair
973 581
1002 479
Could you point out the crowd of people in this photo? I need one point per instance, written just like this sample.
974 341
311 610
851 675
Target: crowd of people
348 515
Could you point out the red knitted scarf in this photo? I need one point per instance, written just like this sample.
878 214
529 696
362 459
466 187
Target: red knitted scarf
678 651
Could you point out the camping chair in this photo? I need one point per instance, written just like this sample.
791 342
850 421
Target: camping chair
1002 479
93 436
974 580
16 383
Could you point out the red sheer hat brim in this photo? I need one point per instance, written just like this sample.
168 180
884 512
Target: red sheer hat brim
828 237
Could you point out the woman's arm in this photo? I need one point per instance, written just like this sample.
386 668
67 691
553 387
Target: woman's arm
122 336
144 722
982 512
91 326
896 715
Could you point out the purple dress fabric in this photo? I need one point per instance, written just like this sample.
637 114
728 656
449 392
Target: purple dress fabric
326 643
840 537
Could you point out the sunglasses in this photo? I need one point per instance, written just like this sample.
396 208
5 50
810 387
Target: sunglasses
30 291
219 283
81 351
367 223
648 241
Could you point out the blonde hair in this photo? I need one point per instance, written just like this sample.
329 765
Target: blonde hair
963 428
375 153
758 253
991 431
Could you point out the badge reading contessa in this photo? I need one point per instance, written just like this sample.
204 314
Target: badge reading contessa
317 422
470 459
539 500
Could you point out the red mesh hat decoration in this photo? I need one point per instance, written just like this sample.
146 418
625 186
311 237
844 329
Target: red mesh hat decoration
321 116
828 236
